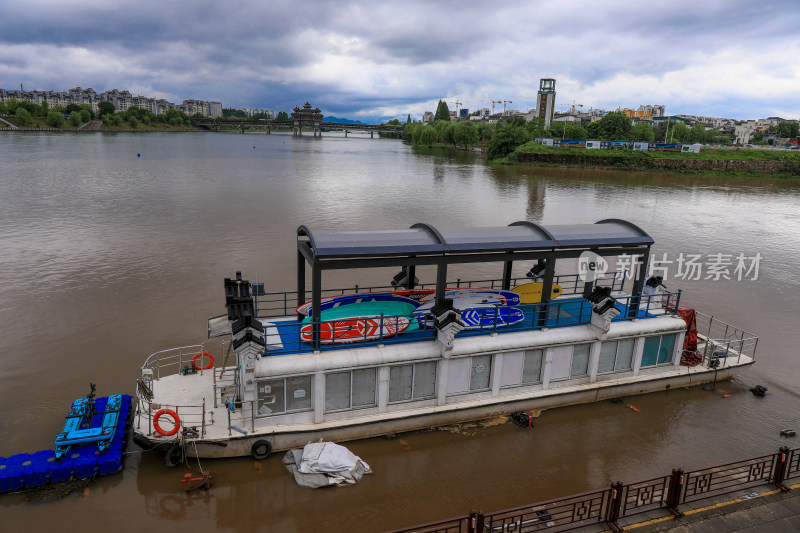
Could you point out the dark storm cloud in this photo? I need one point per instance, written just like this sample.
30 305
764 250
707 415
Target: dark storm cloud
396 57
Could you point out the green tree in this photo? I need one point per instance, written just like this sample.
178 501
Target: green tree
485 130
427 136
22 115
788 129
45 108
408 120
505 140
408 131
615 126
105 108
465 134
133 122
642 131
393 122
86 115
88 109
449 133
3 109
55 119
535 127
75 118
680 133
282 116
697 134
416 133
442 112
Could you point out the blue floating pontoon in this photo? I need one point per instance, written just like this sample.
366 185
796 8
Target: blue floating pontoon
97 449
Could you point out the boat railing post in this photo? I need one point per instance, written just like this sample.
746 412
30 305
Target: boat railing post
458 283
203 418
496 316
380 330
356 288
149 418
228 410
202 356
158 365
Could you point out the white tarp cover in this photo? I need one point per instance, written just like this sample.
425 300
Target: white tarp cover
320 464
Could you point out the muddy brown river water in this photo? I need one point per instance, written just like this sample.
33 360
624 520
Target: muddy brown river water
115 246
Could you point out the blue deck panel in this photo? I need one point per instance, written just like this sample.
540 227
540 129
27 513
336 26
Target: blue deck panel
83 461
561 313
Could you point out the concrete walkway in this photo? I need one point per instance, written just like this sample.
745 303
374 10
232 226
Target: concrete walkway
761 509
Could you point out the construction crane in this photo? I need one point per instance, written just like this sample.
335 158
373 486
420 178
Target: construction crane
574 105
504 105
456 103
495 102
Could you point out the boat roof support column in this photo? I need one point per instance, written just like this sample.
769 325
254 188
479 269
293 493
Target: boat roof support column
547 289
441 282
640 260
411 270
316 301
301 282
507 275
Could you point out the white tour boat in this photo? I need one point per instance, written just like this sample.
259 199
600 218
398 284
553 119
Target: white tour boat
375 361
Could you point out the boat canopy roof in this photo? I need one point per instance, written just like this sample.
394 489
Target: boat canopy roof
425 239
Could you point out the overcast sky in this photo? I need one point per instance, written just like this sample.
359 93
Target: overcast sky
373 59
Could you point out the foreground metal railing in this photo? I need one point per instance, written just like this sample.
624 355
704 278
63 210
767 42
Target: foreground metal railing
621 500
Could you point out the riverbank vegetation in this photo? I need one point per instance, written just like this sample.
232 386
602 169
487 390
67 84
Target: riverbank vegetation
74 116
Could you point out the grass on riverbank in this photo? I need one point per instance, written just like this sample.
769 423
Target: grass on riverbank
646 161
638 155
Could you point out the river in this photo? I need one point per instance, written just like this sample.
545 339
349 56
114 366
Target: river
113 246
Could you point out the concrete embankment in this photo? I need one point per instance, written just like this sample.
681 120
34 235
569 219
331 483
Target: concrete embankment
644 162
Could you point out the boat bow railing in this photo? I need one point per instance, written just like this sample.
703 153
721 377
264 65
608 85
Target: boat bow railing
724 341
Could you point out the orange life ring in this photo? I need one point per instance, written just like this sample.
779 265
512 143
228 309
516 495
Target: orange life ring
175 420
204 354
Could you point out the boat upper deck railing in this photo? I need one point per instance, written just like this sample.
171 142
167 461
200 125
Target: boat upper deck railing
284 303
289 335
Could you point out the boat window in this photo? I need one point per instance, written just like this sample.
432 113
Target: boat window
270 397
400 382
481 372
608 355
532 366
658 350
284 395
665 351
650 351
580 360
363 387
625 355
298 393
615 356
337 391
407 382
425 379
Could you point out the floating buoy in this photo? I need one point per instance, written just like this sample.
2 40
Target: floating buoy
631 407
726 395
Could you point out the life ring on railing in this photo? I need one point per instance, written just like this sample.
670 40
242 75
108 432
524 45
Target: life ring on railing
175 419
204 354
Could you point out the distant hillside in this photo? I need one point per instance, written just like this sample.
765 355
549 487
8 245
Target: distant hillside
341 120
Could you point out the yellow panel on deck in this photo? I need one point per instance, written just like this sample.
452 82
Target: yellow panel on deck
531 293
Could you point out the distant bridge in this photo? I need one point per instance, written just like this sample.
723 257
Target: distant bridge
269 125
